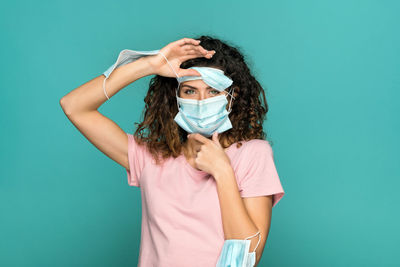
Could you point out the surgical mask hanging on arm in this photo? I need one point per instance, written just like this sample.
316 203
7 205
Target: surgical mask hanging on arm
235 253
125 56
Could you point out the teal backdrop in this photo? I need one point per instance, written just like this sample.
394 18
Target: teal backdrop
330 70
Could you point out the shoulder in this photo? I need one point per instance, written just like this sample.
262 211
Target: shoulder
138 147
256 146
254 149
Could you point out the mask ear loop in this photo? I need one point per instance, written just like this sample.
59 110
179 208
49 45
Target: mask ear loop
259 239
104 88
177 89
230 100
176 94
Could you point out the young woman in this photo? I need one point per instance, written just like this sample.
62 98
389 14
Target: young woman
207 175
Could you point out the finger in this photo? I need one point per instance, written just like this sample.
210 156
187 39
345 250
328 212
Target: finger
199 49
200 138
188 72
190 56
184 41
193 52
185 58
215 137
197 148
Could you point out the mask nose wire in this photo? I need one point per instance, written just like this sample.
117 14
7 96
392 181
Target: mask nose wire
176 91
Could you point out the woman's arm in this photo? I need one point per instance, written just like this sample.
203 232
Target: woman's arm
81 104
90 96
243 217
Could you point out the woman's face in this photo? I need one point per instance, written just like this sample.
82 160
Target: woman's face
198 90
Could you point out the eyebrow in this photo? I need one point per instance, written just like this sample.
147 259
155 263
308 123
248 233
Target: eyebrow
209 87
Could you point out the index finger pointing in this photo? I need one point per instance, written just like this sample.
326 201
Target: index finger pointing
199 137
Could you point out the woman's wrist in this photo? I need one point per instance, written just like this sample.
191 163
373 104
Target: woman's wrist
142 66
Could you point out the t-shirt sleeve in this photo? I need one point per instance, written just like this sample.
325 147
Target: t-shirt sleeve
260 177
136 159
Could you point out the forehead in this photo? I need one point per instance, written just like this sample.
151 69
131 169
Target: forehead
199 84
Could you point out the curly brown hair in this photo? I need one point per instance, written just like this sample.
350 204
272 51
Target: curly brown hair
162 135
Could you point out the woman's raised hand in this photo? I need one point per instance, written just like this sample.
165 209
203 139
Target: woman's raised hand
176 53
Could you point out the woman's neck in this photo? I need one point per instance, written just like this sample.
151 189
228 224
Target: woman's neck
190 146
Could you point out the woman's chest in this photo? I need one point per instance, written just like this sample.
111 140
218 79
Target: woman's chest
179 193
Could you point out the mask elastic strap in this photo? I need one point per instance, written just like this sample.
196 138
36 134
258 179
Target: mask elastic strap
176 94
169 64
259 239
230 100
104 88
176 91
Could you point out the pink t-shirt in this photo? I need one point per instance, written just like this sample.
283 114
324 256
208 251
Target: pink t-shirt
181 216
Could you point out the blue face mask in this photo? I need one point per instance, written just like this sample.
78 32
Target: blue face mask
203 116
208 115
235 253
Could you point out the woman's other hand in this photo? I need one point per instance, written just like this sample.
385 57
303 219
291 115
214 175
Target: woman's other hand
177 52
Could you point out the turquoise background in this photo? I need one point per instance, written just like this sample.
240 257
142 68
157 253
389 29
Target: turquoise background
331 73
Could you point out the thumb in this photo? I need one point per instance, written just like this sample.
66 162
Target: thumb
188 72
215 138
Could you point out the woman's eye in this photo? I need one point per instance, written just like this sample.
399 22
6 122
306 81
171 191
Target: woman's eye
189 90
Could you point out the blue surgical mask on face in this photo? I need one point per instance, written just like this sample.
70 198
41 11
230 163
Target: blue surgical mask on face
208 115
235 252
203 116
